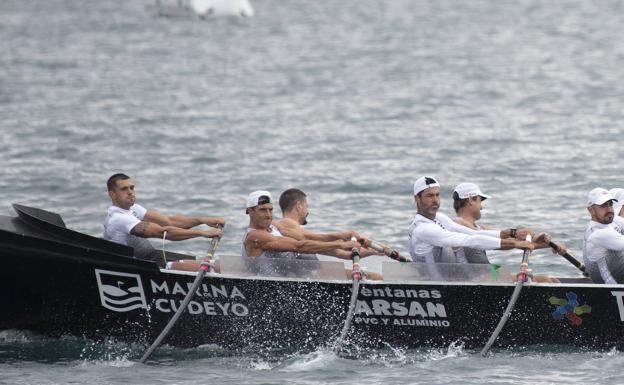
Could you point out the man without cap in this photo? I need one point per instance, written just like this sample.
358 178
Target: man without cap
603 243
263 238
294 205
432 235
130 224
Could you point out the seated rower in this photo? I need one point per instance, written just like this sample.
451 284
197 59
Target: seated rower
294 205
264 239
603 243
130 224
433 236
467 199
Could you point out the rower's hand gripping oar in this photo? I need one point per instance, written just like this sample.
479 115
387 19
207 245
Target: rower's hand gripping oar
205 266
522 277
394 254
356 275
579 265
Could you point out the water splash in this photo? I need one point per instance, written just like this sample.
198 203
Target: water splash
313 361
16 336
109 353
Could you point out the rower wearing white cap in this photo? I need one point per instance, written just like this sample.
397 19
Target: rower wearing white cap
432 235
467 198
603 244
263 239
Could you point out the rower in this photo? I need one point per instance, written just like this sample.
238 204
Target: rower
264 239
130 224
294 205
467 200
603 243
432 236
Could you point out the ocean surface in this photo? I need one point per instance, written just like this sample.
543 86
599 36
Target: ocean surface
350 101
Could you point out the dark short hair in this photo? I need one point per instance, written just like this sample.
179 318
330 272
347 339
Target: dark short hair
290 198
112 181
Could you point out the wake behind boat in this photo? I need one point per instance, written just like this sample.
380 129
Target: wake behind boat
57 281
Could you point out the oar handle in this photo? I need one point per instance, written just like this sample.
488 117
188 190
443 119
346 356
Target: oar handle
356 272
211 250
524 266
579 265
393 253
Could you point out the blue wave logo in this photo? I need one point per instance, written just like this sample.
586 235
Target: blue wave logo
120 292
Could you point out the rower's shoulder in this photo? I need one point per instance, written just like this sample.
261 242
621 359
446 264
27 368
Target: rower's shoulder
463 222
286 223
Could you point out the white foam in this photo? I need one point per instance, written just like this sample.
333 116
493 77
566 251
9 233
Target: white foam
13 335
222 8
313 361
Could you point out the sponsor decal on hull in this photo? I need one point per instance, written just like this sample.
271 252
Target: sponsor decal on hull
123 292
213 299
120 292
401 307
569 308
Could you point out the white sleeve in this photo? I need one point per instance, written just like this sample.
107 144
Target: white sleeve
437 236
609 239
604 272
123 222
139 210
451 225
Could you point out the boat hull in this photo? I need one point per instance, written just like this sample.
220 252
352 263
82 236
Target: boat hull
55 287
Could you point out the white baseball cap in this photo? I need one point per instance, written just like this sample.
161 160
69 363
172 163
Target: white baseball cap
252 199
618 194
599 196
468 190
424 182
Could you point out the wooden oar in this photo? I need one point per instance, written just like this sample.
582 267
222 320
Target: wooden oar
357 277
393 253
205 266
522 278
579 265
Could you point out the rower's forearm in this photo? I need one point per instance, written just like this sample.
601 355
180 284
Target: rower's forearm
342 254
325 237
185 222
311 247
180 234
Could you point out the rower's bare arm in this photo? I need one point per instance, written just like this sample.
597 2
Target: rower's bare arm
212 221
152 230
181 221
259 240
346 254
519 234
512 243
542 240
290 229
158 218
187 222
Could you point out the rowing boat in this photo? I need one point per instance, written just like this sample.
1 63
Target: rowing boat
57 281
